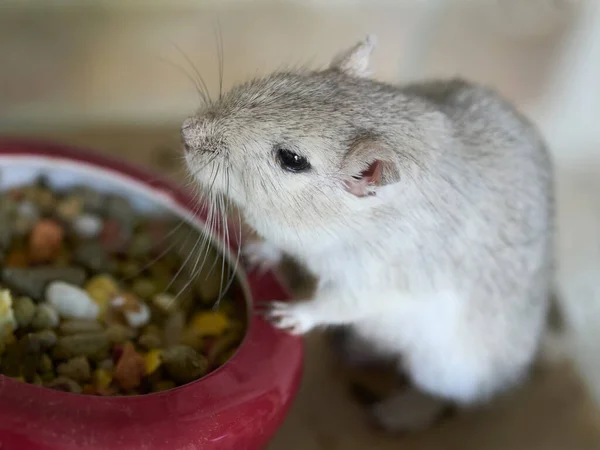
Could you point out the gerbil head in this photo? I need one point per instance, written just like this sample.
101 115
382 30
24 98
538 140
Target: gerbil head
296 150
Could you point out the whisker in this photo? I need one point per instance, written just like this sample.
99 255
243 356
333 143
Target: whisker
238 252
199 240
197 72
200 169
194 82
202 239
212 220
161 255
226 239
183 265
220 56
215 203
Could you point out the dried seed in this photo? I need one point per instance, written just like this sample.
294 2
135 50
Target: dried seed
113 244
165 302
140 246
129 268
184 364
32 282
71 302
65 384
144 288
45 339
45 317
130 368
87 226
135 312
118 334
69 208
113 236
92 255
78 326
150 341
77 369
45 365
30 352
209 281
45 240
91 345
173 328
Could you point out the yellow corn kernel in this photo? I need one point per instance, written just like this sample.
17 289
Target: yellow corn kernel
102 377
7 317
102 288
153 360
209 323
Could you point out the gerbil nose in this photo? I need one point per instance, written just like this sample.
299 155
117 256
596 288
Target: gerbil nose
187 130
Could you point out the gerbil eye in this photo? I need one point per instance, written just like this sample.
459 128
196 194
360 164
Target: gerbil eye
291 161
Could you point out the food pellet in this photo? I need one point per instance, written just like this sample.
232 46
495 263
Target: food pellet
130 368
45 240
24 310
45 317
77 369
93 301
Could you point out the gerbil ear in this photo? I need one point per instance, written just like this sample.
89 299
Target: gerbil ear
355 60
368 165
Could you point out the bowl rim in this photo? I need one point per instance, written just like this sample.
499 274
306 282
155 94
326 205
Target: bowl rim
180 196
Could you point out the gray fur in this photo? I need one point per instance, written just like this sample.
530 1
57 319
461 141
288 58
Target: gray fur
447 267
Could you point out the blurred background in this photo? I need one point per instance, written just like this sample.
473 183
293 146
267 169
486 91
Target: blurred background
69 63
114 75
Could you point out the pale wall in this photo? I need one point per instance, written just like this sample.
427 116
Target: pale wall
64 64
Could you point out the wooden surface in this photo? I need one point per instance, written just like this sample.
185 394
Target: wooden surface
551 412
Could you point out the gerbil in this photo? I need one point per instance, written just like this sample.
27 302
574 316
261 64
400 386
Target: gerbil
426 211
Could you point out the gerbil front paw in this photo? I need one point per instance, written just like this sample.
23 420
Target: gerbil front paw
261 255
294 317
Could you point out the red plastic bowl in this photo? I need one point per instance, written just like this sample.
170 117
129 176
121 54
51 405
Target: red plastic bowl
239 406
